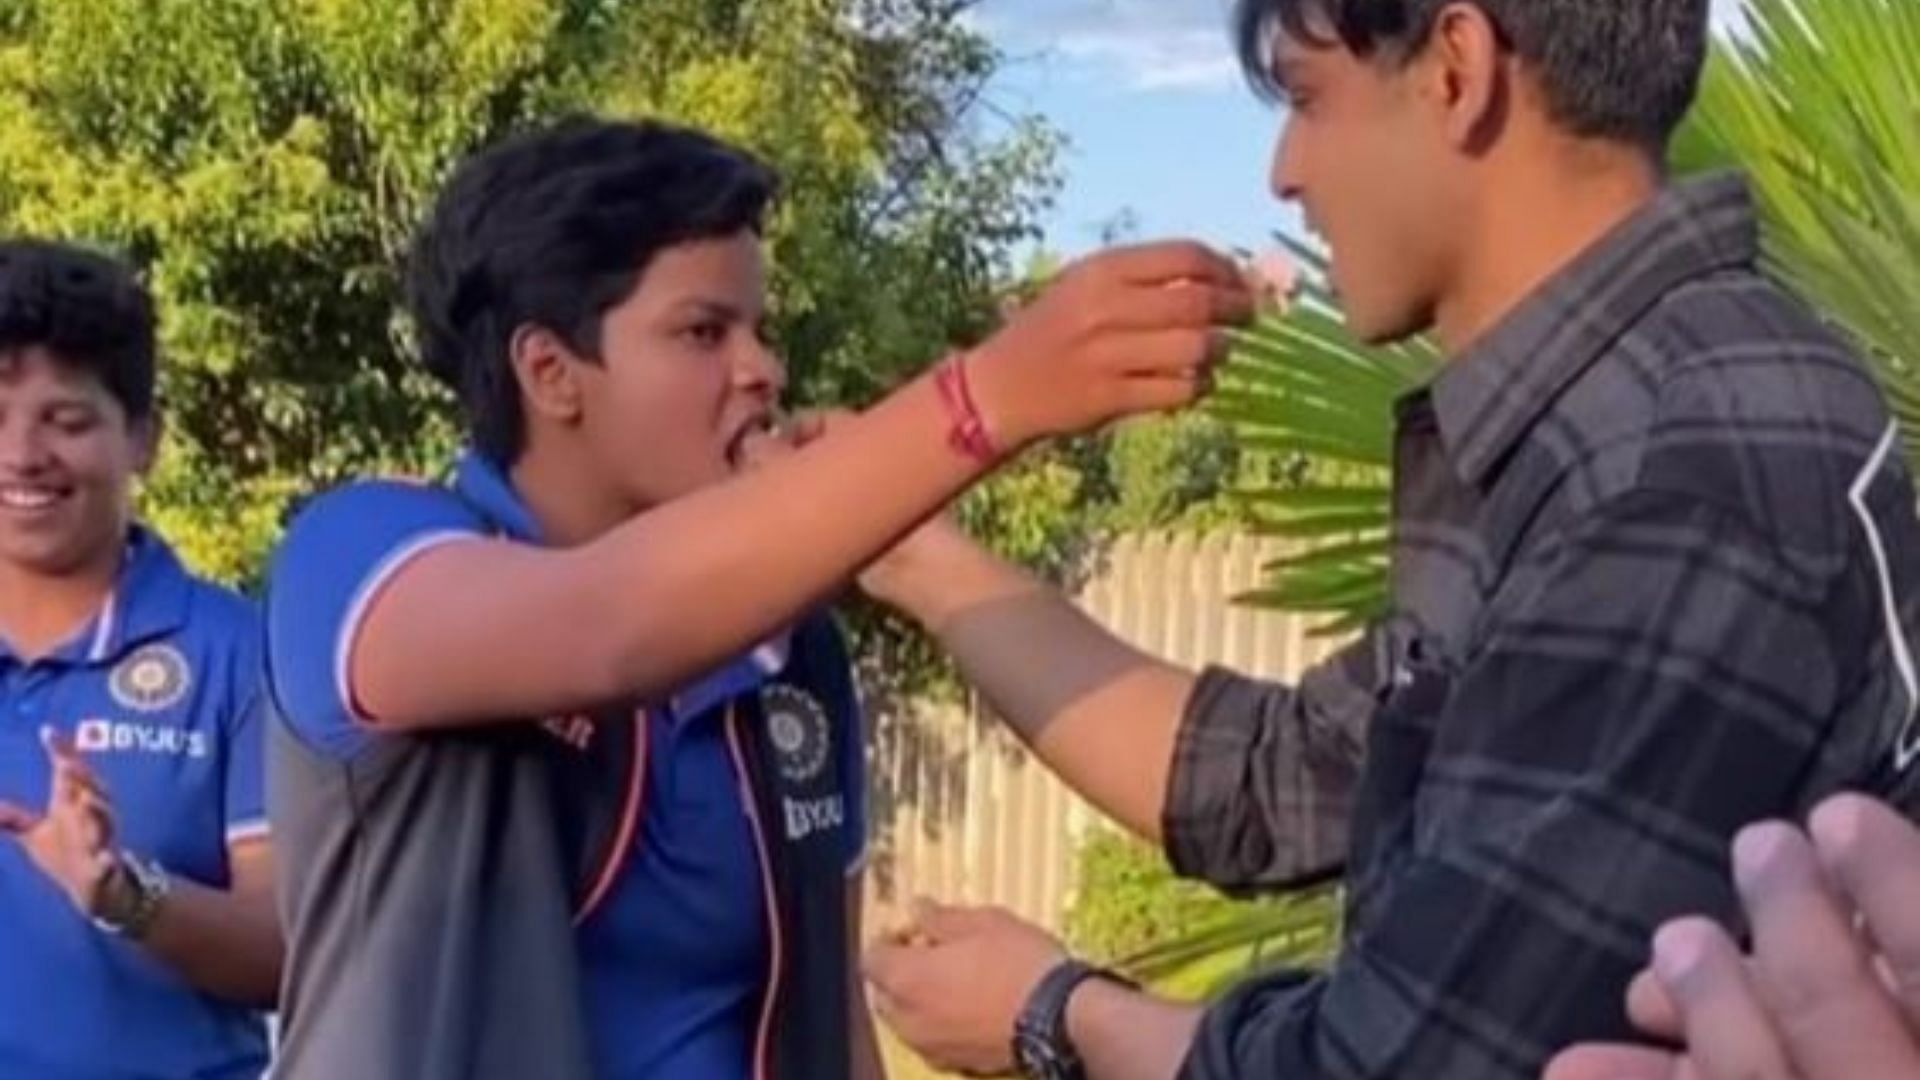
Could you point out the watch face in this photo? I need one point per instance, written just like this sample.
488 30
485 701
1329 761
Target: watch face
1034 1056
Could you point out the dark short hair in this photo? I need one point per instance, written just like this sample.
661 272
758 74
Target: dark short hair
552 228
87 309
1625 70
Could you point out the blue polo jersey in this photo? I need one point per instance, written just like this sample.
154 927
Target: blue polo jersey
160 693
675 960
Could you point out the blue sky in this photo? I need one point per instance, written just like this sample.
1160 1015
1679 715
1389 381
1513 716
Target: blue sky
1163 136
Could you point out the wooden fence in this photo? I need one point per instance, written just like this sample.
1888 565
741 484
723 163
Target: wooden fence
962 813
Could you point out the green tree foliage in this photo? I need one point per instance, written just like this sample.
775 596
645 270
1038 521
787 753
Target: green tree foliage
1298 387
266 162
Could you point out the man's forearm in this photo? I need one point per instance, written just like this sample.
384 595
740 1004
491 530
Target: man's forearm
1099 712
1125 1035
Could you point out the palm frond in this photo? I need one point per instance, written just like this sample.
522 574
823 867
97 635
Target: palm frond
1299 386
1820 106
1298 930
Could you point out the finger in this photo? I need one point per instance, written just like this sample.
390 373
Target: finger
1651 1008
907 932
74 784
1727 1029
887 966
99 865
1185 304
95 825
1874 855
60 758
883 1003
1179 352
1143 396
1174 260
16 819
1272 277
810 426
936 923
899 1019
57 745
1613 1063
944 923
70 769
1811 969
82 777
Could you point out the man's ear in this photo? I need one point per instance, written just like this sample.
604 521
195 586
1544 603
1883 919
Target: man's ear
1468 72
548 372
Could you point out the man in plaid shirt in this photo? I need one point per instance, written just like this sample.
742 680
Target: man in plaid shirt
1655 558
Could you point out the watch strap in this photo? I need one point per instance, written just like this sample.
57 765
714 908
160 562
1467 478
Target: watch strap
1043 1048
146 888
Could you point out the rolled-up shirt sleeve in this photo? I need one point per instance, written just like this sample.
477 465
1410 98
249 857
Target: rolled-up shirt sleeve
1265 775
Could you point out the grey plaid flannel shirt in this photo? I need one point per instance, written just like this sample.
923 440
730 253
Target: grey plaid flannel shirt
1656 575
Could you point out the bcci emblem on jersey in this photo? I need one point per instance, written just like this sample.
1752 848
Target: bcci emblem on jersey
797 725
155 677
802 741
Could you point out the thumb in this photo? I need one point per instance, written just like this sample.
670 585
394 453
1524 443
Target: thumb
15 819
941 923
809 427
1597 1062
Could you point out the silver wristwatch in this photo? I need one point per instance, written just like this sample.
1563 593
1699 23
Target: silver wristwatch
131 897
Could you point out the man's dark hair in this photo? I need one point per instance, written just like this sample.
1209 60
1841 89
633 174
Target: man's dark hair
1625 70
552 228
86 309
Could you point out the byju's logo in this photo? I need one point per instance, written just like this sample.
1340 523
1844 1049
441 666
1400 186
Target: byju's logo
130 737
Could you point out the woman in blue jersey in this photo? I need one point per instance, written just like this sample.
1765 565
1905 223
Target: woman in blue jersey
136 908
604 621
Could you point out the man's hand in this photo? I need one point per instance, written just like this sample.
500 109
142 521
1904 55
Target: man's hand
1134 330
952 985
1832 988
909 576
73 841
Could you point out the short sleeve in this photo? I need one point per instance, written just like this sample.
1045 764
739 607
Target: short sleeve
337 556
244 791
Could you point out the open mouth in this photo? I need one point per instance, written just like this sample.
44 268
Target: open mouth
751 440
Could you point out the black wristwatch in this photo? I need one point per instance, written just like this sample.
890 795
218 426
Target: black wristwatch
1042 1048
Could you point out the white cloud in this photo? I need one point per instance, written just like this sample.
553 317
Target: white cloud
1187 59
1147 44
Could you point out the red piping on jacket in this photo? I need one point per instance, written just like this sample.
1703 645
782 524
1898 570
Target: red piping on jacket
761 1066
618 853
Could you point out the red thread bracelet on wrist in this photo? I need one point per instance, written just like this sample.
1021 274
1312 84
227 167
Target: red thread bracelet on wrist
968 434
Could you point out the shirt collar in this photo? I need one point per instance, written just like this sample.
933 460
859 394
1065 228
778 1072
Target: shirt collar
490 490
1488 398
